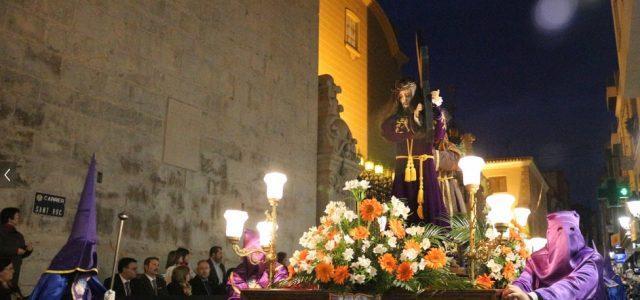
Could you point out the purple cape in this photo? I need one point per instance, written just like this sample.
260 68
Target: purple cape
394 129
253 275
565 268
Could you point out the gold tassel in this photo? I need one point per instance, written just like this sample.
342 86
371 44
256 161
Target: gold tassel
414 177
410 171
420 201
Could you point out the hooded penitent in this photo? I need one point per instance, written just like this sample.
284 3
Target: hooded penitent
73 271
565 268
253 272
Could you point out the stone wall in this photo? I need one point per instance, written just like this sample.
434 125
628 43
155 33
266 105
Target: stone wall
80 77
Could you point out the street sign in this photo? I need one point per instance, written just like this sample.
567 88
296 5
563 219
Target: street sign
49 205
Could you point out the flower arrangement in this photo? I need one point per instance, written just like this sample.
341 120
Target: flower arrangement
372 249
502 259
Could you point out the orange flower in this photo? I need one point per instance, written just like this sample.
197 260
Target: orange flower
387 262
324 272
332 234
340 273
411 244
303 254
359 233
320 254
397 228
509 271
370 209
435 258
484 281
404 272
291 271
523 253
514 235
506 250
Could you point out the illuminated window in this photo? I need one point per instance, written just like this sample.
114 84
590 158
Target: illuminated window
498 184
351 31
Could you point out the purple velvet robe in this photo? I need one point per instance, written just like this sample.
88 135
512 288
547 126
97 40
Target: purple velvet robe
565 268
395 130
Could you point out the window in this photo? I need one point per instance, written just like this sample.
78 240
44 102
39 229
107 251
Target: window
351 33
498 184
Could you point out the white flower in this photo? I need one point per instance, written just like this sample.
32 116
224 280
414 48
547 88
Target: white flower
422 265
392 242
364 262
358 278
330 245
365 245
414 267
425 244
398 208
511 257
351 184
493 266
364 185
385 208
415 230
408 254
350 215
372 271
337 238
348 240
388 233
491 233
311 255
348 254
379 249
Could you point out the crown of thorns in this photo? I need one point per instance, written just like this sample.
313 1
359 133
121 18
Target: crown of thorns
403 85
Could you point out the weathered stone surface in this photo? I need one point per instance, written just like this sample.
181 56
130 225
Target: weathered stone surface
79 77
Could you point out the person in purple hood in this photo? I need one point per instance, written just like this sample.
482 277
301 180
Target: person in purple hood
253 272
564 269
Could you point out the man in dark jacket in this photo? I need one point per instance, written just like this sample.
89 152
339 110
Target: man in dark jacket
217 271
150 284
201 285
12 242
127 270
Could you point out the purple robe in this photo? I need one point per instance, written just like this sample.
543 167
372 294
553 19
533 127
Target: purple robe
251 275
565 268
398 129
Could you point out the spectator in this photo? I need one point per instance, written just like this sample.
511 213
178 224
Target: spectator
282 258
181 259
12 242
127 271
8 291
179 285
218 276
200 285
150 284
172 260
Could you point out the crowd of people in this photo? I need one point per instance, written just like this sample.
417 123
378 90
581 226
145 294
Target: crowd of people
208 277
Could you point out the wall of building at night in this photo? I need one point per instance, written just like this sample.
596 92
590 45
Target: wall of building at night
383 69
525 182
347 67
235 80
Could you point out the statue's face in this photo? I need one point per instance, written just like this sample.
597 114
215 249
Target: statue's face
404 96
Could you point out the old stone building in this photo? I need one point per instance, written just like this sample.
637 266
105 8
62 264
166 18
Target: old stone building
186 105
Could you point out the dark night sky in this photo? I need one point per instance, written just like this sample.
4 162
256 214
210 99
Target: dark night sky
521 89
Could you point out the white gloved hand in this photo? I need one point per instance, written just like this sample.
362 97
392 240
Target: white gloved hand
437 101
110 295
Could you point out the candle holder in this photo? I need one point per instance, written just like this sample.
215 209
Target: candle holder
267 229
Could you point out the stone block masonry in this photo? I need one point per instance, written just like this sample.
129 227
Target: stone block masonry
82 77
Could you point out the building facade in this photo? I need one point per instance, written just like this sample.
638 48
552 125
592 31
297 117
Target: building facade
520 177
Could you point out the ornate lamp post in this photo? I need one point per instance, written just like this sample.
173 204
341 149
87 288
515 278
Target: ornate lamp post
267 229
471 167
